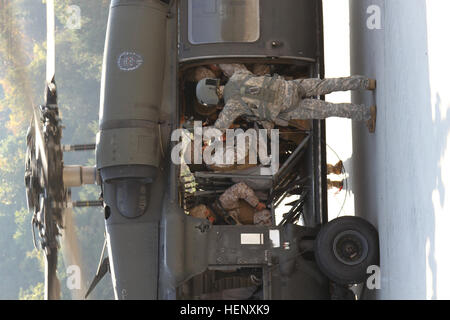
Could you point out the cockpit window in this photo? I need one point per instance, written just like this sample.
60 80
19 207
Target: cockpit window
215 21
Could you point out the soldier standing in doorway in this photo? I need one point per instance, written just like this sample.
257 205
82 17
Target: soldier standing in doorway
273 100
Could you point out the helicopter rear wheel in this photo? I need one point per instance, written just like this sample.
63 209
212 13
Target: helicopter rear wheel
345 248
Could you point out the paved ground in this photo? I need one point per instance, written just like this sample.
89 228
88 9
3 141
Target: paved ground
401 174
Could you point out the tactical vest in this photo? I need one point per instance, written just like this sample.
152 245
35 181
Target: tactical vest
264 95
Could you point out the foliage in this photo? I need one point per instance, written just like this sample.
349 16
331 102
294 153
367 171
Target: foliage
22 75
33 292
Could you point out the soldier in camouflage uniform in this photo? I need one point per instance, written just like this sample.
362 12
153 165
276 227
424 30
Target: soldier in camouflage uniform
229 201
271 99
337 169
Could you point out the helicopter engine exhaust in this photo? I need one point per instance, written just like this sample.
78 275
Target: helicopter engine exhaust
127 148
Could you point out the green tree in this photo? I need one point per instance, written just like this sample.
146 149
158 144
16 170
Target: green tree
22 73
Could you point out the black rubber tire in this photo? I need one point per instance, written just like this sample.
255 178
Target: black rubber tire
326 256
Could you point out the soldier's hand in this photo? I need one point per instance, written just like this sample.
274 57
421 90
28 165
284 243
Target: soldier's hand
261 206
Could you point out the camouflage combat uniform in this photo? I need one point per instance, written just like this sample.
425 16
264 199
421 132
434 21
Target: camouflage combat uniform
263 218
229 200
335 169
275 100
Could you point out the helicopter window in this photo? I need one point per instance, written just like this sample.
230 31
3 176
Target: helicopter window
214 21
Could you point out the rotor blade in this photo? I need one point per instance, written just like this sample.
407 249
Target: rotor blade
17 58
52 290
50 84
50 41
71 253
52 285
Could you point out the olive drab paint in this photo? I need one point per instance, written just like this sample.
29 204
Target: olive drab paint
127 151
133 72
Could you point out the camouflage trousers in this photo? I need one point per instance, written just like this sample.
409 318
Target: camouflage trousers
316 87
318 109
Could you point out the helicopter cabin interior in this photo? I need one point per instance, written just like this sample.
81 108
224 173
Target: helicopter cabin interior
263 36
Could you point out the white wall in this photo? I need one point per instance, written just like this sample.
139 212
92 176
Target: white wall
402 172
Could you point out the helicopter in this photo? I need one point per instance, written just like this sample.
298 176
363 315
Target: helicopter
155 249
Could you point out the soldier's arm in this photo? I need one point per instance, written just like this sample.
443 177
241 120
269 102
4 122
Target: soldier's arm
230 69
232 110
244 192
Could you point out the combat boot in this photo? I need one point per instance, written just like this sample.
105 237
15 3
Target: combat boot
371 123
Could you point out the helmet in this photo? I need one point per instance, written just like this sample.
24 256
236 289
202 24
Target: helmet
207 91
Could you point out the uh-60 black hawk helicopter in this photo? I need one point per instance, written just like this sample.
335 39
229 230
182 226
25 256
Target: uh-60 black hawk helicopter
155 249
